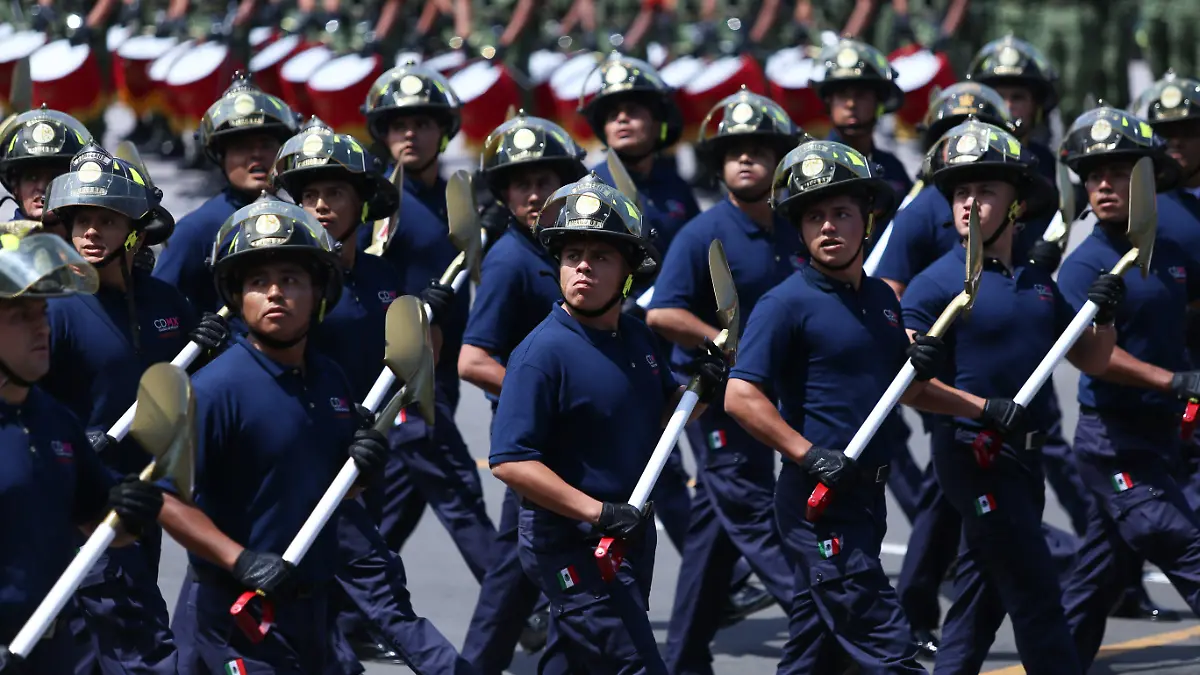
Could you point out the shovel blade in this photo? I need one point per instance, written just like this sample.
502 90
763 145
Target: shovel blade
463 213
384 231
409 351
128 152
1143 212
624 182
164 424
725 293
974 256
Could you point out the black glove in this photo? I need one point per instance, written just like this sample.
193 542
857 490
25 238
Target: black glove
1045 255
137 503
264 572
495 219
1003 415
1107 291
440 298
211 333
712 368
81 36
100 440
1186 385
632 308
832 467
144 260
928 355
622 521
10 663
366 418
369 450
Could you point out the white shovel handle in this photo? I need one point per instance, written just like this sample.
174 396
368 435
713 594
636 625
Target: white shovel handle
662 451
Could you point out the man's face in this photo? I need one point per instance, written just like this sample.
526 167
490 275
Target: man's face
527 192
278 298
833 230
1183 144
748 167
1021 105
590 273
994 198
1107 186
31 189
25 337
248 159
851 105
335 204
97 233
629 127
414 140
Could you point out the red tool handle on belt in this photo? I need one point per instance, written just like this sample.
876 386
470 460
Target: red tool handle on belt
986 446
610 553
818 501
1188 426
255 630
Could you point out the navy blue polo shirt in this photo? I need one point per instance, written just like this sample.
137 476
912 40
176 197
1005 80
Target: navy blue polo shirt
432 196
1150 322
270 441
181 262
893 169
586 403
94 369
668 198
421 251
1016 318
759 259
353 333
1179 220
826 353
50 482
519 286
923 232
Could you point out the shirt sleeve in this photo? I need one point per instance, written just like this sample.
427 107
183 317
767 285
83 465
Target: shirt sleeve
922 303
1063 312
1074 277
767 343
490 321
528 403
906 254
92 480
675 287
181 261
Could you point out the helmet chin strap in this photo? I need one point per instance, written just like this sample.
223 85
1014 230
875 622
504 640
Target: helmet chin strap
602 310
10 377
129 245
1012 218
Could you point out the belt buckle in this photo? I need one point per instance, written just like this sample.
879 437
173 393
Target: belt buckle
1031 438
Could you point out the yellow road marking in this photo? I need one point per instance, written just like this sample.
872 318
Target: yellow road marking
1150 641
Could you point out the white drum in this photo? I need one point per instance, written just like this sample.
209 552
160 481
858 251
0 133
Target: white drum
57 60
656 54
272 54
145 47
790 68
337 86
574 77
259 35
916 70
714 75
542 65
678 73
302 66
201 61
20 44
404 56
6 29
66 77
197 79
116 36
487 92
446 61
342 72
162 65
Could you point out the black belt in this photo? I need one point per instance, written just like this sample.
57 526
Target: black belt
226 582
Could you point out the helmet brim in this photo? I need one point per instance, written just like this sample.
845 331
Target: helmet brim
1039 195
1167 171
876 190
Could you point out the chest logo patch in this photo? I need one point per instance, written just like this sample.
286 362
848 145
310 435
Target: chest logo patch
675 209
167 325
1043 291
892 319
653 364
1178 273
339 405
63 452
387 297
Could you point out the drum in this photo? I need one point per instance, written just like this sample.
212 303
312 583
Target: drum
261 36
789 72
446 62
718 79
66 78
197 79
657 55
116 36
921 72
268 62
294 75
542 65
339 87
404 56
14 47
566 83
158 71
131 72
487 91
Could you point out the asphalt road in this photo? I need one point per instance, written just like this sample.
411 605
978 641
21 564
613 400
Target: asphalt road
444 591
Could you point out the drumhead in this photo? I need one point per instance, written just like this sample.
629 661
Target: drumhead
790 68
260 34
302 66
715 74
678 73
567 80
274 53
404 56
20 44
162 65
6 29
56 61
117 35
200 62
543 63
446 61
656 54
342 73
916 70
145 47
473 81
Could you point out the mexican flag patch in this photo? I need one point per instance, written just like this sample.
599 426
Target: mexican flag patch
567 578
830 547
985 504
716 440
401 418
1122 481
235 667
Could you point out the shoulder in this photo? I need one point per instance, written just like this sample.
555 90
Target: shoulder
933 280
234 364
544 346
879 292
43 406
377 269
